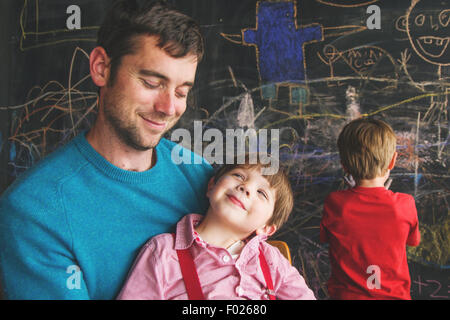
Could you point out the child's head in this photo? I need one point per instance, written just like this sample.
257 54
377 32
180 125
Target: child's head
367 148
269 195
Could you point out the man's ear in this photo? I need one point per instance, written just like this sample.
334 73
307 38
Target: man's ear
392 163
268 230
211 184
99 64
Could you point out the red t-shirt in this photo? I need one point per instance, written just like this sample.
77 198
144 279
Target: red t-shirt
367 230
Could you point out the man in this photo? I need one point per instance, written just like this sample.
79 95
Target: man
71 226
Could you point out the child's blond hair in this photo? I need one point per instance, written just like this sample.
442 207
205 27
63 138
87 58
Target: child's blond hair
366 147
284 198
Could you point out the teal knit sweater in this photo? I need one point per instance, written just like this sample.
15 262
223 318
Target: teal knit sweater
71 226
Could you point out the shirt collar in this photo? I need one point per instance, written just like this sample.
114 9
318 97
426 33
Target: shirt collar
185 231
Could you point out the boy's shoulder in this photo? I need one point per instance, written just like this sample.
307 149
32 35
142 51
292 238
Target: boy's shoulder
339 195
377 192
273 254
161 240
160 245
379 195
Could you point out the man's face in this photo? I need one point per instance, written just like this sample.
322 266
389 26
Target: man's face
243 200
148 94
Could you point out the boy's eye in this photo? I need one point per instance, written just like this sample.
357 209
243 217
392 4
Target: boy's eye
263 193
240 176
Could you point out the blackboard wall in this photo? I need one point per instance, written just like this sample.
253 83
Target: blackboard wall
305 67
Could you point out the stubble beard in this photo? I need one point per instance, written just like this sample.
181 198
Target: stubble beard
125 130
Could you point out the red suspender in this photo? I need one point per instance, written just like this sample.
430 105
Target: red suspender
266 273
192 281
190 276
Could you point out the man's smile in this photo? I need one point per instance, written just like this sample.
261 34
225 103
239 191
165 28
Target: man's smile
156 125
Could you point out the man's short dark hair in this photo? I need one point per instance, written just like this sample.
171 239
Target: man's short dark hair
178 34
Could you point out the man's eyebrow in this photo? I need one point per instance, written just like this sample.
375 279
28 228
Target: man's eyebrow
150 73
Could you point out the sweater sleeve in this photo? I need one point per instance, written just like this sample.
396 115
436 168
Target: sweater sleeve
36 259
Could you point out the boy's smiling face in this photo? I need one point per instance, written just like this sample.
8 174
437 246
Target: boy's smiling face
243 200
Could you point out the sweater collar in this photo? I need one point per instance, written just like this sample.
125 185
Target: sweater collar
113 171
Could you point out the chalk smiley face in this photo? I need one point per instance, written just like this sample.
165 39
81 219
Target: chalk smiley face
429 31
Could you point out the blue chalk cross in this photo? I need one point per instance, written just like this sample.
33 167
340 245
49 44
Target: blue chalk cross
280 44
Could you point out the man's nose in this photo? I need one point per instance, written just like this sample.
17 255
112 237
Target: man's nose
165 103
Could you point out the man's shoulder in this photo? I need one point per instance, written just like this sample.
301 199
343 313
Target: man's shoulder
47 172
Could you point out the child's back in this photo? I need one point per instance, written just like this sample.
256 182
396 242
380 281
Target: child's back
368 227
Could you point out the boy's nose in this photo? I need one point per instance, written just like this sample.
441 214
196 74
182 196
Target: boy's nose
243 188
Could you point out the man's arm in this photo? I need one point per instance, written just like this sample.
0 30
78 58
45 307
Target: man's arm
36 259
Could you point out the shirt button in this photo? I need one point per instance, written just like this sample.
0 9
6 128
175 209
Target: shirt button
239 291
226 258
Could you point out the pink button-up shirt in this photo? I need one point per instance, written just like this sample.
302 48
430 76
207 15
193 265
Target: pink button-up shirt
156 273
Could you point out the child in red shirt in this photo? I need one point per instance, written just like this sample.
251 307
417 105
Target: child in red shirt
367 226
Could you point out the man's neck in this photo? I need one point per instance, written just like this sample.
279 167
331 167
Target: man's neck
110 147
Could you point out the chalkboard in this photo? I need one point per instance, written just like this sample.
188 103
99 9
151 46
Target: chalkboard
305 67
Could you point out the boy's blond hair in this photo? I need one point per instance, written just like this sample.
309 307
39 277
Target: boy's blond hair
366 147
284 198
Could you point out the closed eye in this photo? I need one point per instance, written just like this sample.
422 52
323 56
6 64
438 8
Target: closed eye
240 176
263 193
151 84
181 95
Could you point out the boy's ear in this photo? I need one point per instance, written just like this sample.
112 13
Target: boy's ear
344 168
211 184
268 230
392 163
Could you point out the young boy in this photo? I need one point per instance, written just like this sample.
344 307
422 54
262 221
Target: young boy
224 254
368 227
